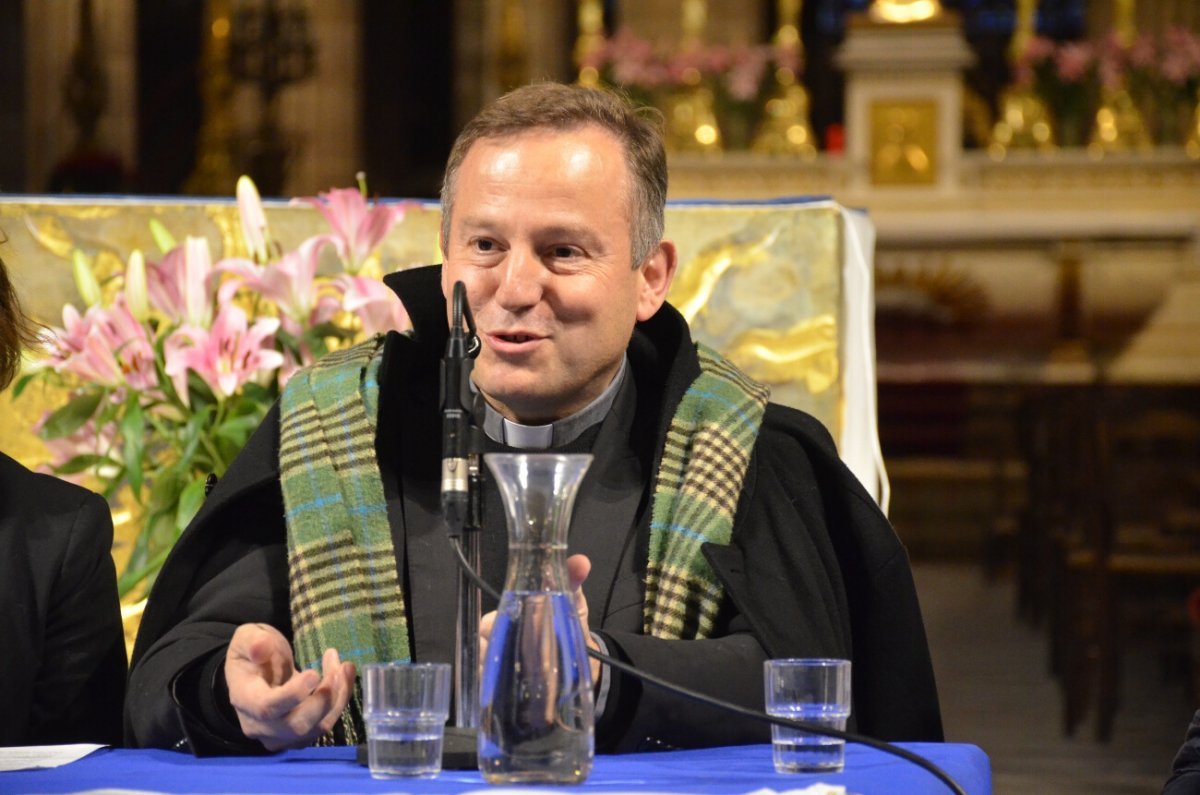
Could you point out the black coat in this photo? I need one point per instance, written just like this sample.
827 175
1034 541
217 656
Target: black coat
814 568
1185 770
63 658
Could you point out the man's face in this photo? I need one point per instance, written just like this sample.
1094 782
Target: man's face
540 236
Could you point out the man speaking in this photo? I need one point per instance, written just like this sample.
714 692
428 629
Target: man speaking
714 529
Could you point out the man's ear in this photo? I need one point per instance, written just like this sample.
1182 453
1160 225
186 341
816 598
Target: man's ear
445 276
655 279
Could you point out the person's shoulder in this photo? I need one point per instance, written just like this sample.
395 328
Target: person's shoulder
787 426
23 486
802 451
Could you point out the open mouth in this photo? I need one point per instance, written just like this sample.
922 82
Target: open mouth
515 338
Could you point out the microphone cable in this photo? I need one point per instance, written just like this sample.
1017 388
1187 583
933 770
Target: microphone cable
737 709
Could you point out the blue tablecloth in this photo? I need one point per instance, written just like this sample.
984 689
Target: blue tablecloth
719 771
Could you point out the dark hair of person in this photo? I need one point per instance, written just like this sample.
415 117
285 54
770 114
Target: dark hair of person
555 106
17 331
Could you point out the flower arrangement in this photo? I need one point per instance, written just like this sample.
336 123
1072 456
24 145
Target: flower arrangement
737 75
1064 76
1161 75
174 362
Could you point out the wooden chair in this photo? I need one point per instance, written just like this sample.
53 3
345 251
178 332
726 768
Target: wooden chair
1124 577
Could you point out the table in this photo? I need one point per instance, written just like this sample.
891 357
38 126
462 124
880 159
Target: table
719 771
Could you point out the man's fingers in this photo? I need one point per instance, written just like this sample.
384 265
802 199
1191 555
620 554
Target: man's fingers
485 626
262 701
578 568
264 649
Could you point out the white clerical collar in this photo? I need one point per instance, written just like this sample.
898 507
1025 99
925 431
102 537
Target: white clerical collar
542 437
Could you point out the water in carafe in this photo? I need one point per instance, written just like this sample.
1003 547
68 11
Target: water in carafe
536 710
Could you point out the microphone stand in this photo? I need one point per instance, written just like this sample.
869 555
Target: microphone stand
462 507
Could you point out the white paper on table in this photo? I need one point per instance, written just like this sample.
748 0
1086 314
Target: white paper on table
35 757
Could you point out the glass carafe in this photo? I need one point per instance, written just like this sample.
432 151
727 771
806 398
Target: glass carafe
536 711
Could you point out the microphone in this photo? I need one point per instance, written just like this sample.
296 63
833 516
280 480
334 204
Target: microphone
460 445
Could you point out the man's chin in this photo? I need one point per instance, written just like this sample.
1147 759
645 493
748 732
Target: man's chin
526 406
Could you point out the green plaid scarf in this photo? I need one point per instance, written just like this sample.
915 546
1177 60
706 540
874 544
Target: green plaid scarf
341 563
704 462
345 593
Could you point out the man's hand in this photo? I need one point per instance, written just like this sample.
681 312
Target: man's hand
578 567
276 704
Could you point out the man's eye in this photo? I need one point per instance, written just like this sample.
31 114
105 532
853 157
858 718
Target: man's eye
564 252
484 245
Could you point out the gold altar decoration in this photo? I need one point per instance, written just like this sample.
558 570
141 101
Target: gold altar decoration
215 172
590 20
904 142
512 55
1024 121
691 116
1192 144
902 12
785 129
1119 125
762 283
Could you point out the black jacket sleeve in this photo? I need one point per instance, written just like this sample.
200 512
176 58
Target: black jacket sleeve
814 569
79 688
229 568
64 658
1185 771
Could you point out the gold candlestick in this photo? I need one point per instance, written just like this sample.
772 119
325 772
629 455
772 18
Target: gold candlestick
1119 125
691 121
1024 120
590 19
215 172
785 129
1124 24
512 55
1192 145
694 19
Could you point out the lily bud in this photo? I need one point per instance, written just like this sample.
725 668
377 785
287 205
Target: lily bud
197 298
85 279
162 238
254 220
136 294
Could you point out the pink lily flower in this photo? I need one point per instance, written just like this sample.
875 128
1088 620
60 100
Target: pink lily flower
379 309
88 440
290 284
104 346
357 229
225 356
127 338
181 285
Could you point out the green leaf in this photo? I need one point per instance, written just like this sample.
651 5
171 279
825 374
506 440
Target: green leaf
256 394
79 463
164 493
133 577
237 430
133 430
66 420
22 382
189 503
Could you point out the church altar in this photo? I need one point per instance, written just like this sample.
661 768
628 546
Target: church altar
782 287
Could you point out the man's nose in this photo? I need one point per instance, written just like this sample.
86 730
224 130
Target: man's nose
521 280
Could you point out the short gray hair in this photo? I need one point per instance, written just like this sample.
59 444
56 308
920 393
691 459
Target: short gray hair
555 106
